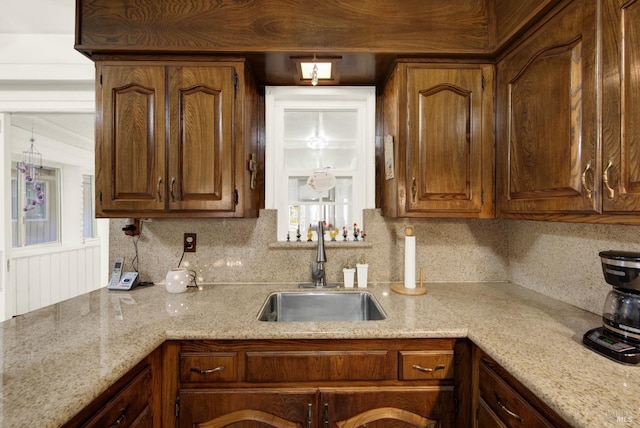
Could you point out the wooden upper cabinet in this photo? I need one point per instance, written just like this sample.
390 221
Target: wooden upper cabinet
621 114
441 120
547 122
201 138
130 142
175 140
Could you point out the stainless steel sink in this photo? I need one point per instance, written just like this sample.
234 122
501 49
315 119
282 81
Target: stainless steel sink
321 306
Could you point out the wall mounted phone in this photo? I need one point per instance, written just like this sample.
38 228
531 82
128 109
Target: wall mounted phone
120 281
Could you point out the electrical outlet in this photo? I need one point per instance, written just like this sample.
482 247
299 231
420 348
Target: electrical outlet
189 243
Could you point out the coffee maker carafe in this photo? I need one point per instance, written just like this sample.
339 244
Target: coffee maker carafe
619 336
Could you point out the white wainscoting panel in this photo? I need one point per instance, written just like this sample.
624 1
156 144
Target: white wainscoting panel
49 277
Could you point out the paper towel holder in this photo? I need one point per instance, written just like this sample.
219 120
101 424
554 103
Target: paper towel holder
399 288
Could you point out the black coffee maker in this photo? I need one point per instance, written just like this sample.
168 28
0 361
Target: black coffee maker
619 336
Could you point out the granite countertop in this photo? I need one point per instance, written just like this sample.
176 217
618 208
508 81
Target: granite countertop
58 359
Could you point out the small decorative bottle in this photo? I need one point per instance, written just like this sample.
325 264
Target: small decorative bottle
309 234
344 233
349 275
298 235
356 232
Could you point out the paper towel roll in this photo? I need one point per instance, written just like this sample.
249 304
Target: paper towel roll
409 259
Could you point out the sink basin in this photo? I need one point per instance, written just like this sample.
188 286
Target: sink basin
321 306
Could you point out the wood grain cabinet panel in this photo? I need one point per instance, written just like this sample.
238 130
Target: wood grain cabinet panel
201 138
132 401
502 401
621 113
440 118
420 406
304 366
175 140
281 408
416 365
320 383
547 118
208 367
130 138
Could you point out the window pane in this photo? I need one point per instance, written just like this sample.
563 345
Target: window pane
14 209
307 206
34 206
87 207
320 139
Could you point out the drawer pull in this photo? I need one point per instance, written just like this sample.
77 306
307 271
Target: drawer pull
506 409
200 371
427 369
121 418
309 415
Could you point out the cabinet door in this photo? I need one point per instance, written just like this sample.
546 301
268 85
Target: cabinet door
423 406
445 139
621 114
547 118
201 143
130 139
247 408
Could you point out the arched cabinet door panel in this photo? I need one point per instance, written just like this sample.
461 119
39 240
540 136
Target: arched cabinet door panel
438 149
547 145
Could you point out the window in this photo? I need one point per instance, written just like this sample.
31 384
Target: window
318 132
88 208
34 207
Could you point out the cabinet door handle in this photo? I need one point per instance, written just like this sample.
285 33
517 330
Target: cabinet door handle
309 414
121 418
326 414
427 369
207 371
506 409
605 179
158 189
173 184
414 190
584 180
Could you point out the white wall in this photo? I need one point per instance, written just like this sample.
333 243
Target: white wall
41 73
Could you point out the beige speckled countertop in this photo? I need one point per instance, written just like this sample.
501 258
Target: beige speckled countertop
58 359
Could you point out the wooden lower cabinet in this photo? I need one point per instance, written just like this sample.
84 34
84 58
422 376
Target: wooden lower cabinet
504 402
419 406
325 407
320 383
247 408
133 401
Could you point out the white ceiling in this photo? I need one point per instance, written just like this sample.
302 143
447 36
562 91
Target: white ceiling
37 17
46 17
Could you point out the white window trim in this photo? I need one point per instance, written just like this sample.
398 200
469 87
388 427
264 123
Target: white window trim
277 99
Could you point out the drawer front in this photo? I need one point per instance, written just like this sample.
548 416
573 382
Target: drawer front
126 406
301 366
506 403
424 365
486 418
208 367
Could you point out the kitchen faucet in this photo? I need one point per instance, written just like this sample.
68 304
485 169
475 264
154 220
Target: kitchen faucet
318 274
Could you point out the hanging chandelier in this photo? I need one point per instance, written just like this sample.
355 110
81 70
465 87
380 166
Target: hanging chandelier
30 166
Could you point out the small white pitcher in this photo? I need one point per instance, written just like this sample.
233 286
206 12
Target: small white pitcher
177 280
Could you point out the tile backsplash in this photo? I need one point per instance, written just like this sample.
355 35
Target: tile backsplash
245 250
556 259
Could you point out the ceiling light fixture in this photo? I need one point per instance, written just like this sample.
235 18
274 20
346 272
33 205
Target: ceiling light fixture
316 71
